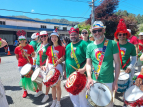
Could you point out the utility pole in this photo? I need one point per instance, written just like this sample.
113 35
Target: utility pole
92 16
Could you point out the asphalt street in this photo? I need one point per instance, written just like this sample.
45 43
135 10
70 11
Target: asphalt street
10 77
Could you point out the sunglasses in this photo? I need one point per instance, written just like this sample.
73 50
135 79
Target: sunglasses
84 32
99 30
21 39
124 34
43 36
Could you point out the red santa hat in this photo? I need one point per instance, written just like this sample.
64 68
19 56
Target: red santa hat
76 30
121 28
21 34
34 35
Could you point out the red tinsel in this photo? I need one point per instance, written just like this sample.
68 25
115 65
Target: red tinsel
54 79
22 32
78 85
137 103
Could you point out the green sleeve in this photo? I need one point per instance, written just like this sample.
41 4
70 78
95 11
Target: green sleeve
88 54
133 53
115 47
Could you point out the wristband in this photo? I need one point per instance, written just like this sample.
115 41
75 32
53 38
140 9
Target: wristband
140 76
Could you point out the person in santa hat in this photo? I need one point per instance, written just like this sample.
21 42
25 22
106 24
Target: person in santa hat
102 52
24 52
126 49
55 54
41 61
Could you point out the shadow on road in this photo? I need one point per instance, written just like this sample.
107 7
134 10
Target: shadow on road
13 88
37 100
9 99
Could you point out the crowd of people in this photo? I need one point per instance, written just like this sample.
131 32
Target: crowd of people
94 56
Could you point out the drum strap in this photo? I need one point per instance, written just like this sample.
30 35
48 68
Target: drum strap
101 60
41 53
22 52
121 57
52 51
74 56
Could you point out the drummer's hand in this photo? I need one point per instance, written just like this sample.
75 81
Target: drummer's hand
115 86
44 68
141 87
81 71
138 82
89 83
26 54
128 70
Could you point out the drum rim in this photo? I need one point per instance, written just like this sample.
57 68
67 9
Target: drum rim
107 87
23 67
35 73
68 79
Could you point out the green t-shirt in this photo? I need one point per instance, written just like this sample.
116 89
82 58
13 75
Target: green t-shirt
107 70
127 50
89 41
34 44
80 51
43 51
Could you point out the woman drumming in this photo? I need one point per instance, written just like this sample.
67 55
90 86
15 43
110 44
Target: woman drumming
24 53
55 54
41 60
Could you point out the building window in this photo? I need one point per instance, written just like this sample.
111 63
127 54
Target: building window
64 28
2 22
56 27
43 26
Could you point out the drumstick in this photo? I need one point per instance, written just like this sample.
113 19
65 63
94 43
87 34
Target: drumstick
114 96
73 67
26 56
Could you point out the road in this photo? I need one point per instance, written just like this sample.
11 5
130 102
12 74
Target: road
10 77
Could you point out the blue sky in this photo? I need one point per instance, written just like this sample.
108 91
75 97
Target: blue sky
62 8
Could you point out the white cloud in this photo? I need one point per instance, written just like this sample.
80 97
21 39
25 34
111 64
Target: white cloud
32 10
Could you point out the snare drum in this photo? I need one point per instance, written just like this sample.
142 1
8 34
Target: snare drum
99 95
75 83
133 97
26 70
123 82
52 77
37 76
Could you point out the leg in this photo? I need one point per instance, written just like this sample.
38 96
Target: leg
54 92
82 99
58 87
46 97
110 87
75 100
47 90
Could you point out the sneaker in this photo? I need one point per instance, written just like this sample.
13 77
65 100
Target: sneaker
53 103
25 94
38 93
58 104
46 97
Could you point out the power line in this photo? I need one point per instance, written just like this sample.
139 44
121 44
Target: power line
43 14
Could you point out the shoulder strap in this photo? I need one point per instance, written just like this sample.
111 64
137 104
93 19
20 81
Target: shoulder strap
74 56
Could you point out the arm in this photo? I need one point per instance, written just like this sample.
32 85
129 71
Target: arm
117 70
141 57
3 43
88 70
17 56
136 46
132 64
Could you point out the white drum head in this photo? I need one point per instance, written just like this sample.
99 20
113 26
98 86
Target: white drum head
50 74
100 94
123 76
35 74
25 69
133 93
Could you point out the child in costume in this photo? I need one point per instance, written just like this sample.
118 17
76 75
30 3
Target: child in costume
24 52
